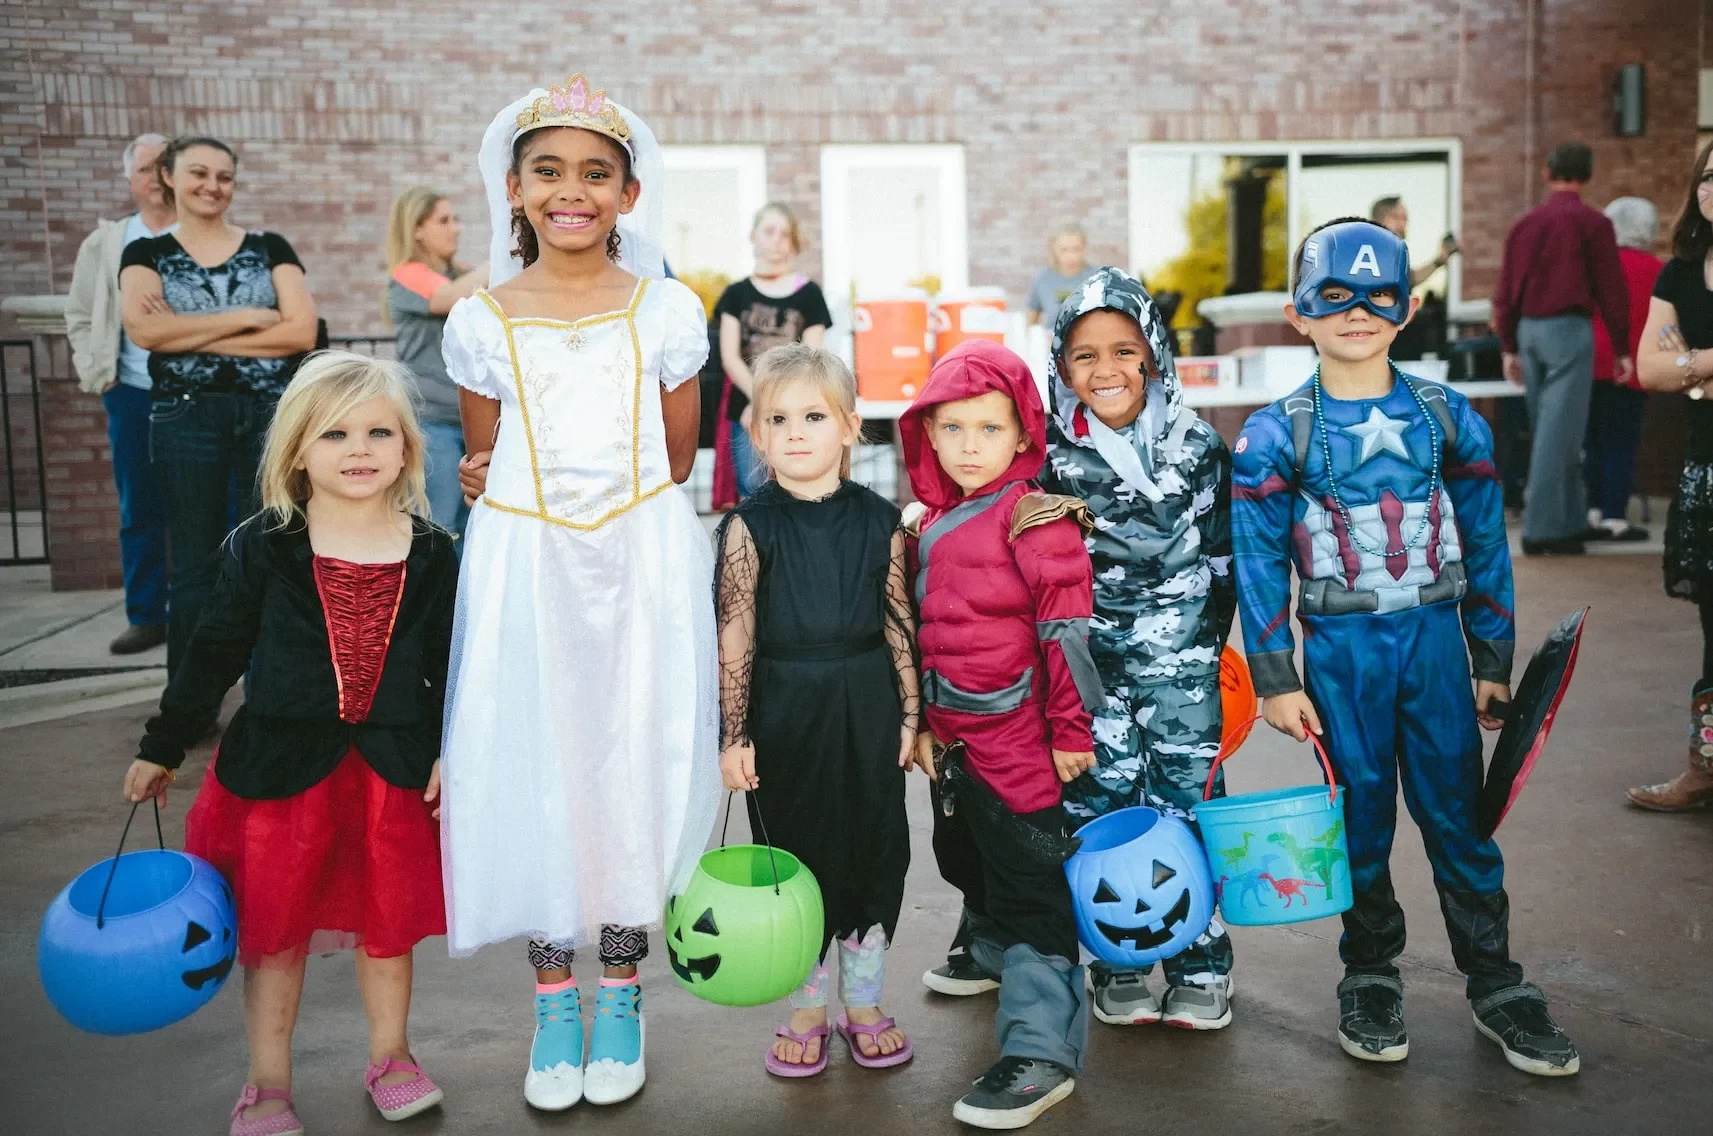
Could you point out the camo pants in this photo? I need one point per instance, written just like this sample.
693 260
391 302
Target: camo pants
1154 744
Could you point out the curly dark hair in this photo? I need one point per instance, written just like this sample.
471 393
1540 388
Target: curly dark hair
1693 235
525 245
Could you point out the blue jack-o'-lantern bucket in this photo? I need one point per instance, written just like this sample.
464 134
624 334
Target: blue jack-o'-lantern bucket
1139 886
137 942
1277 856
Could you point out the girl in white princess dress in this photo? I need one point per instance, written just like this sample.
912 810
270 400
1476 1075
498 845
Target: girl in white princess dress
580 770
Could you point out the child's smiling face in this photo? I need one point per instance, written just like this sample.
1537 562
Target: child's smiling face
359 456
572 187
1107 363
976 438
1355 335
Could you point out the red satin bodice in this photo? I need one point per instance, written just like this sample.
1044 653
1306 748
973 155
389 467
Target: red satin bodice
360 601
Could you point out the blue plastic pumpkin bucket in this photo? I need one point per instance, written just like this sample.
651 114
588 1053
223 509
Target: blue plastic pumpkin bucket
137 942
1139 886
1277 856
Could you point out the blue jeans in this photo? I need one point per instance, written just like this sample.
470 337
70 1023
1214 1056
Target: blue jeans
1609 449
751 473
445 446
142 524
201 448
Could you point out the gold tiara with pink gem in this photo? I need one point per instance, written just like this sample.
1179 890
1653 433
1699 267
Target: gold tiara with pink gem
575 104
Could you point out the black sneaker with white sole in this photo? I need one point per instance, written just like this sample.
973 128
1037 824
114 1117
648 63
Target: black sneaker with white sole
959 976
1517 1019
1371 1018
1014 1093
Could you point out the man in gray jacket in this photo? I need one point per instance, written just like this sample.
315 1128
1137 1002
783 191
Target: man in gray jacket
112 366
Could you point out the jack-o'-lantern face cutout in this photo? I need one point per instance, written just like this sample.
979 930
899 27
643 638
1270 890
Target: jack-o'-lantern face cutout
681 952
1140 885
1142 929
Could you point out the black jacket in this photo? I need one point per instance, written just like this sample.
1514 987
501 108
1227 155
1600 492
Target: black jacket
264 616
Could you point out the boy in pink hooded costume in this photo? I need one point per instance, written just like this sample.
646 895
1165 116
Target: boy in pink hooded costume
1004 592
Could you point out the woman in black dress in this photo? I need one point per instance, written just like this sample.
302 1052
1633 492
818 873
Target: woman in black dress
1677 355
818 689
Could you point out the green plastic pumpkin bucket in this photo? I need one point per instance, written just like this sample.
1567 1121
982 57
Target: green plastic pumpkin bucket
747 928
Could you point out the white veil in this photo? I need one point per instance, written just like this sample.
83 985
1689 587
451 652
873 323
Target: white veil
640 243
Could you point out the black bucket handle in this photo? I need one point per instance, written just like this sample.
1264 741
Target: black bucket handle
732 795
101 908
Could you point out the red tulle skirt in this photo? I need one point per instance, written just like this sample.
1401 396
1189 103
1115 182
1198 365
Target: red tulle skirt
352 861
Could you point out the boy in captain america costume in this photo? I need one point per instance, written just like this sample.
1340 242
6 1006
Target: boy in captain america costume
1379 489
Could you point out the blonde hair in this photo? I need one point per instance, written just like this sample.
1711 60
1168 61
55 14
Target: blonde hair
1065 229
410 209
779 367
785 215
327 387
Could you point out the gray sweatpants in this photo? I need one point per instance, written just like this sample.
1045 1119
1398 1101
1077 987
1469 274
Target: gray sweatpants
1558 380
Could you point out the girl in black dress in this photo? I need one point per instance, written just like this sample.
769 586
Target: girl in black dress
818 689
1676 354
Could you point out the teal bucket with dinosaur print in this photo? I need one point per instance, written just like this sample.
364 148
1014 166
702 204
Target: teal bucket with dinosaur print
1277 856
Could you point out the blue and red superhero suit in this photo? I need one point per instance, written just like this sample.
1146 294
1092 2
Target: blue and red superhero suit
1397 610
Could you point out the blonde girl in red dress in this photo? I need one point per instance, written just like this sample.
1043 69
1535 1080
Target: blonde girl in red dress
320 806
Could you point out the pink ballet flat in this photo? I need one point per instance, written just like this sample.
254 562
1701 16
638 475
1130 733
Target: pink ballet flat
405 1099
879 1060
279 1124
796 1068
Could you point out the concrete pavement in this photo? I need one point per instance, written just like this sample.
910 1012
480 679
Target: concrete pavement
1612 912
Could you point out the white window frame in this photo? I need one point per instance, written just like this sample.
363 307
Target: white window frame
1293 153
750 164
836 164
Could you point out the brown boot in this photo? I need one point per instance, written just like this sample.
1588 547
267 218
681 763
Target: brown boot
1693 788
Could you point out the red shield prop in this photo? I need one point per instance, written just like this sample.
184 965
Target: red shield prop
1528 721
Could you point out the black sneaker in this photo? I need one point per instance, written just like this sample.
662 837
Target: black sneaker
1563 546
1517 1019
1013 1093
1371 1018
138 637
959 976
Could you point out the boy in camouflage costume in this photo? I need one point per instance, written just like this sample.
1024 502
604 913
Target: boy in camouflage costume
1158 480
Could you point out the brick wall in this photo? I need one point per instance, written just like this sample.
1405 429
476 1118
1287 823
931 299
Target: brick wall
335 108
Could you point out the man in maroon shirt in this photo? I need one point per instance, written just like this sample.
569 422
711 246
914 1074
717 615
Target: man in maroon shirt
1561 264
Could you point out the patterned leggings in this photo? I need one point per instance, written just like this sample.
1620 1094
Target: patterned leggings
862 969
620 946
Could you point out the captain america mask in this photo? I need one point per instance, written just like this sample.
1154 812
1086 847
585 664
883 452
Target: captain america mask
1364 260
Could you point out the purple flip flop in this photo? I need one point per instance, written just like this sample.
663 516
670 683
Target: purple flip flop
793 1069
879 1060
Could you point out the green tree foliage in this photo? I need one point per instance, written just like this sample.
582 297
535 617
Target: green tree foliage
1200 271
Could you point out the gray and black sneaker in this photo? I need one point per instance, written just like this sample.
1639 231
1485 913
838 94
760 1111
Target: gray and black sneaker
1013 1093
1198 1006
1517 1019
959 976
1371 1018
1122 998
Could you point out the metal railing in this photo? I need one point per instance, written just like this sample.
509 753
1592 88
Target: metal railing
25 539
380 346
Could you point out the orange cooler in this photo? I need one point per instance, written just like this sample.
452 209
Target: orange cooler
973 313
890 345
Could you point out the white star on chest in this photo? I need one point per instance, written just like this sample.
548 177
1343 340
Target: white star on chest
1379 435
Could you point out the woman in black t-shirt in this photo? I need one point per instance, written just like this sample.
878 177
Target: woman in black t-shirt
772 306
1676 354
222 311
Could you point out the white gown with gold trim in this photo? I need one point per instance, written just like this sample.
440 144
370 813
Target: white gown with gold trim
580 766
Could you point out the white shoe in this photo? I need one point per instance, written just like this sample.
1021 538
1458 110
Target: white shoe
608 1081
558 1048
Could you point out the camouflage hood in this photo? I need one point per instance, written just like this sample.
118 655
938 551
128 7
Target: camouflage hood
1134 454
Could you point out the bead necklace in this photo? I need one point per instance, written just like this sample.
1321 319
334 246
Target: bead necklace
1433 477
